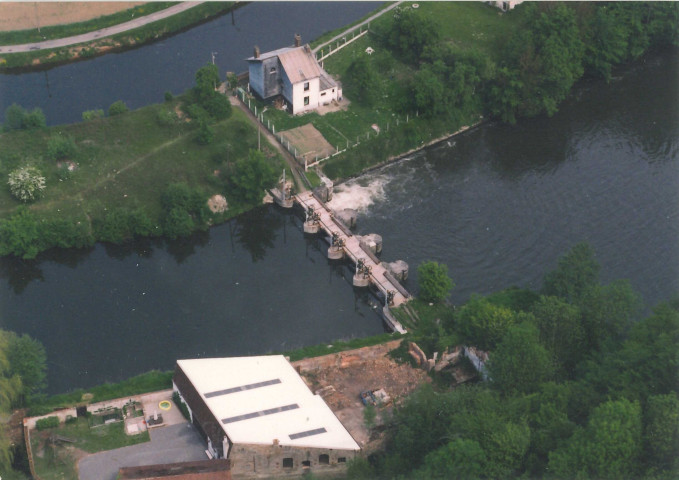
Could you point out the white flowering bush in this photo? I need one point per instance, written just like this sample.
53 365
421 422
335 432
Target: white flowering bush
26 183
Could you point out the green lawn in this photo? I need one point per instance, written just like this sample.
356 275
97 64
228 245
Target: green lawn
126 161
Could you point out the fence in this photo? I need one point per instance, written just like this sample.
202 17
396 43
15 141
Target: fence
259 115
341 43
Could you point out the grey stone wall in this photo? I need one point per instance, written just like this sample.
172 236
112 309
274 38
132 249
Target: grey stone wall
266 461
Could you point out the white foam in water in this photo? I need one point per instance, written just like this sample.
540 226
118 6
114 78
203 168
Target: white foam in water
359 194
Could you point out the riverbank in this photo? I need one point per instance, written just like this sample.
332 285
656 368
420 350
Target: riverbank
38 58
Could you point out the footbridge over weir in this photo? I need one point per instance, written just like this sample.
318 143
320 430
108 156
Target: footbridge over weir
345 243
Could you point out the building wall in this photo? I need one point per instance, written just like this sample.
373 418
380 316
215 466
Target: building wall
201 415
264 461
299 94
256 77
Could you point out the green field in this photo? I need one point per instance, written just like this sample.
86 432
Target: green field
126 162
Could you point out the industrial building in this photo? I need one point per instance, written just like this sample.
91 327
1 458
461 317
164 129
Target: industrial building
258 413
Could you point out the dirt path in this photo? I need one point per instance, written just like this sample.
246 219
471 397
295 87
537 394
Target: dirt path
292 163
27 15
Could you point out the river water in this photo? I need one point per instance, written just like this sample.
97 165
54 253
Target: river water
498 205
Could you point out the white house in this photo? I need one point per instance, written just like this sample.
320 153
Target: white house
294 73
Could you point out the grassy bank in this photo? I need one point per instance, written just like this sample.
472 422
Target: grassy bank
121 164
145 34
18 37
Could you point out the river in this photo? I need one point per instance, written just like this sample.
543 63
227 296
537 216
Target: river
498 205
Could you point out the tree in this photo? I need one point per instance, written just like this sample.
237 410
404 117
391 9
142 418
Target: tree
118 107
561 331
519 364
608 312
19 235
28 361
461 459
26 183
482 323
661 432
205 133
607 45
207 81
364 81
251 176
433 281
575 275
10 390
429 92
411 34
609 447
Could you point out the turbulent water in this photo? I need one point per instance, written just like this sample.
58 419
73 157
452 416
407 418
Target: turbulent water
498 205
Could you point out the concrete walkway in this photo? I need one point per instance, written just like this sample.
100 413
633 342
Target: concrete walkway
354 27
102 33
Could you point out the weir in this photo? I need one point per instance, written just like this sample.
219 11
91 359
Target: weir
346 244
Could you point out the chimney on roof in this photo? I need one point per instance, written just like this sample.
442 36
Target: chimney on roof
256 51
298 40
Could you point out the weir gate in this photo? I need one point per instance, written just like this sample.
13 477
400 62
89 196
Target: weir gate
369 270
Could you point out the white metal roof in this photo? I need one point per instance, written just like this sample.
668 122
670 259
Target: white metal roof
257 400
300 64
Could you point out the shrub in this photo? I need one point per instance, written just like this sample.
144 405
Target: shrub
117 108
26 183
217 106
14 117
181 405
168 96
92 114
205 134
60 147
34 119
166 118
45 423
71 419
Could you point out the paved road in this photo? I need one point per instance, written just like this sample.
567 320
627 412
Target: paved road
350 29
175 443
97 34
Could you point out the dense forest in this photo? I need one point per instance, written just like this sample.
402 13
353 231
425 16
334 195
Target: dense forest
578 385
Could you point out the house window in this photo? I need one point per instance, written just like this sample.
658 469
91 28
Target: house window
333 90
306 86
323 94
306 100
287 462
341 459
323 459
273 70
306 464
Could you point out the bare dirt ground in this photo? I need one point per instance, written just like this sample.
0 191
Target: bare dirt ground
340 378
309 142
26 15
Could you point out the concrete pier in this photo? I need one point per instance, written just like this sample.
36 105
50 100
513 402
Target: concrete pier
343 242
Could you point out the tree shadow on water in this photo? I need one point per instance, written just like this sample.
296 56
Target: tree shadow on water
20 273
183 248
255 230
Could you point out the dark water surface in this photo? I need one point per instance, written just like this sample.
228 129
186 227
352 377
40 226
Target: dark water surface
141 76
498 205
